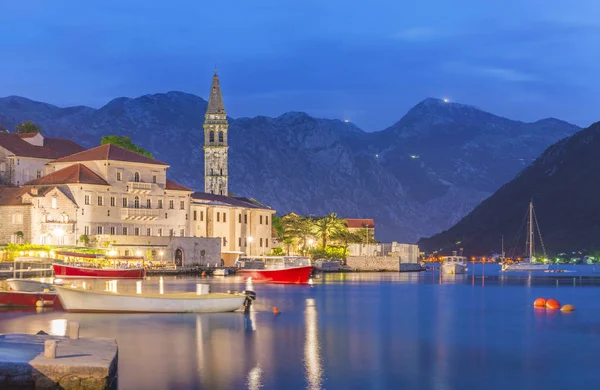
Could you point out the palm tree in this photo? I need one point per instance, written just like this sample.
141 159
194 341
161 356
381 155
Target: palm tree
296 228
327 226
346 237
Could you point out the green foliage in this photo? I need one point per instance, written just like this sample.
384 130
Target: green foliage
330 252
27 247
327 226
296 230
84 239
27 127
125 142
276 252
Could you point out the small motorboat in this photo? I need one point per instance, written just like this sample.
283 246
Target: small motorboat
80 300
454 265
32 285
75 272
30 299
276 269
221 272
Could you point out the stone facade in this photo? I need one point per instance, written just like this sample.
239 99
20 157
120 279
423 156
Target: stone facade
216 147
408 253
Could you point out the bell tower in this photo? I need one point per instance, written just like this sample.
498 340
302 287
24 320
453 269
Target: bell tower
215 142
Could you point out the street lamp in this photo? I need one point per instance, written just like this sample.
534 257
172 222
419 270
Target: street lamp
250 238
161 253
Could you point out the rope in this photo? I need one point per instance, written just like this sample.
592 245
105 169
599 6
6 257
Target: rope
539 232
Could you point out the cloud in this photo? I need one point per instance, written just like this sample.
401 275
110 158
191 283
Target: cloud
417 34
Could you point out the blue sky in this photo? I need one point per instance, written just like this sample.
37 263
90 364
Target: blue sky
368 62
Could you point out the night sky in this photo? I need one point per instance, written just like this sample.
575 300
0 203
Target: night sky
366 61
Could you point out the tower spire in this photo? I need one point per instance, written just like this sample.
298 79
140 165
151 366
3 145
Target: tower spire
215 99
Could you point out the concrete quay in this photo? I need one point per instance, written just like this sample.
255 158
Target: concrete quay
55 362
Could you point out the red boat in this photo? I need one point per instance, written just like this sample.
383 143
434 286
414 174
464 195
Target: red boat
30 299
69 271
276 269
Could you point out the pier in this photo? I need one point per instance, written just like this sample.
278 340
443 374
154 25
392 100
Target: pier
56 362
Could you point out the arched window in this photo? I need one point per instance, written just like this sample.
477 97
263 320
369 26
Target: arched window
220 137
211 136
136 177
136 202
221 171
211 171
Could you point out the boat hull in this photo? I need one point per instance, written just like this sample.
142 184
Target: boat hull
27 285
78 300
525 267
295 275
29 299
454 268
67 271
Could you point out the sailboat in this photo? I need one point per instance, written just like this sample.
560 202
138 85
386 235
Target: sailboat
528 264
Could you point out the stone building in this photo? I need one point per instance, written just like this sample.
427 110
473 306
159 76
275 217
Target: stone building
122 201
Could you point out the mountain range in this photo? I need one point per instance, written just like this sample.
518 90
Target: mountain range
562 185
416 178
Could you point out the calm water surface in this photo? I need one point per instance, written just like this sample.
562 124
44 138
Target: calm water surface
361 331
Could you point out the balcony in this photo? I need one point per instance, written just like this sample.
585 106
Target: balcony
139 214
138 187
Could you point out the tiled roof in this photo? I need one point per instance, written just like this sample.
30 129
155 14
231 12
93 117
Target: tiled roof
53 147
360 223
229 200
171 185
110 152
76 173
11 196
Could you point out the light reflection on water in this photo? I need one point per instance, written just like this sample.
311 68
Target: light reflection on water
380 330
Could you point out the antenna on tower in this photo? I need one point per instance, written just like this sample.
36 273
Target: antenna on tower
215 67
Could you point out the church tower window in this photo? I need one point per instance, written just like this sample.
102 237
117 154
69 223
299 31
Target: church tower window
211 136
220 137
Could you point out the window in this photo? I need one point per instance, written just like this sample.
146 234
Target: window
100 201
160 232
171 204
124 202
245 218
260 243
136 177
201 216
260 219
148 231
82 211
136 231
218 216
165 215
113 201
221 173
220 192
186 216
182 205
266 242
136 202
182 232
170 232
195 215
108 213
224 217
148 203
160 203
17 218
153 178
240 241
211 136
119 175
224 241
112 230
100 230
87 199
39 174
221 137
126 252
86 230
124 231
266 219
245 241
2 167
54 202
240 218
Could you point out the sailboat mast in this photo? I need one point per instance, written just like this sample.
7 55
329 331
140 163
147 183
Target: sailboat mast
530 231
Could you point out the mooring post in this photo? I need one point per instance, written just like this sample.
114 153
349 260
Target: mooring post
50 349
74 330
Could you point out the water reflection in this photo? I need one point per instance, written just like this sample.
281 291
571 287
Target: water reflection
312 350
254 378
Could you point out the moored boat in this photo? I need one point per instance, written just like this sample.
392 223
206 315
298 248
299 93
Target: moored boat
79 300
454 265
276 269
30 285
29 299
75 272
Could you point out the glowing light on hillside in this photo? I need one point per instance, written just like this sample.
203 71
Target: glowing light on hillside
347 120
446 100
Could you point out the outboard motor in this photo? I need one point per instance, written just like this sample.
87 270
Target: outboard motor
250 296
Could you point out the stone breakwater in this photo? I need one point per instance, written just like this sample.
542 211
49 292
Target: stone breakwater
381 263
55 362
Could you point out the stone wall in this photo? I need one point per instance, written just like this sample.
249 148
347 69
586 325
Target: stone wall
374 263
14 219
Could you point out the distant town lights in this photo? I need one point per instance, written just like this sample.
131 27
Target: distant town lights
346 120
446 100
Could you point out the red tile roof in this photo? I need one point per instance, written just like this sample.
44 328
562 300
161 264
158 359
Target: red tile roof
358 223
53 147
171 185
11 196
110 152
229 200
76 173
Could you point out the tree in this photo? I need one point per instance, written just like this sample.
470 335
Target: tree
296 228
366 236
27 127
125 142
346 237
327 226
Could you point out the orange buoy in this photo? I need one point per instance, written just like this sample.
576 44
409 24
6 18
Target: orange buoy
540 302
275 310
552 304
567 308
203 273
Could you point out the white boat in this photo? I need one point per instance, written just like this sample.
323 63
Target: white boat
221 272
454 265
528 264
28 285
79 300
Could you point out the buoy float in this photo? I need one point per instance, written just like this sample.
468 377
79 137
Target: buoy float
275 310
567 308
552 304
540 302
203 273
39 303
